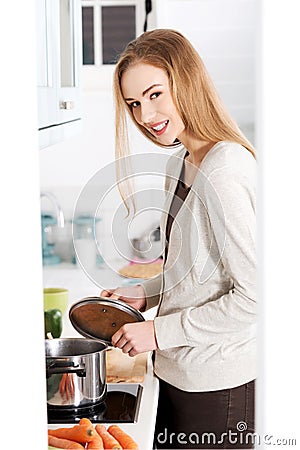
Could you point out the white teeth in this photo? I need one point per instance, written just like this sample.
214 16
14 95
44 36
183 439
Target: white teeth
161 126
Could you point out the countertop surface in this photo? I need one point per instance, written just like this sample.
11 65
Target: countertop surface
81 285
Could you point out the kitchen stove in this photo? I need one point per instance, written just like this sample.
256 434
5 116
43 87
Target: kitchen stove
121 405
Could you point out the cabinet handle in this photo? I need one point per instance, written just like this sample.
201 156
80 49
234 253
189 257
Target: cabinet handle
67 104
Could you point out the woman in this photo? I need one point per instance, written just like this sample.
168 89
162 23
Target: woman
203 336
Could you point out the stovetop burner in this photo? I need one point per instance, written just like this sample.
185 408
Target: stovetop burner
121 404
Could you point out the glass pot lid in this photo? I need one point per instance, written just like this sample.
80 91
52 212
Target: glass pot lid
100 317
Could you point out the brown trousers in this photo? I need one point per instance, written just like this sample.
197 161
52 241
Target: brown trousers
197 420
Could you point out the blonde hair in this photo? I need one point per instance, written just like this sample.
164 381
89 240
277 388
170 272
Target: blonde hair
192 89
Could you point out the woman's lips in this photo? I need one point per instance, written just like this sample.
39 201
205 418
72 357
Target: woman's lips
159 127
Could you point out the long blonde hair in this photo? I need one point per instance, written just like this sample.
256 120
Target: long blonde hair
192 89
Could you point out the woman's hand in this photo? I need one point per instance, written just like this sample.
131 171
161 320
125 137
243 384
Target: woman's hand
135 338
132 295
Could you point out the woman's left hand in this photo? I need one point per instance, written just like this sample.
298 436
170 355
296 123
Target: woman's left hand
135 338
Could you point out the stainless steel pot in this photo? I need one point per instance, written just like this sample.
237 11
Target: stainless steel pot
76 372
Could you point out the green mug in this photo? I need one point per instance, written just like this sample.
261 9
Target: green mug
56 298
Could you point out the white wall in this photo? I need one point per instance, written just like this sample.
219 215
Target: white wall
22 387
224 33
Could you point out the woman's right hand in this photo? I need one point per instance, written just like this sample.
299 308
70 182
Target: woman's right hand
132 295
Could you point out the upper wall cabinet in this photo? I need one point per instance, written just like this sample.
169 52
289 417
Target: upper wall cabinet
59 60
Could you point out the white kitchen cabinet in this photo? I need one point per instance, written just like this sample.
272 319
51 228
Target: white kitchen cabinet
59 60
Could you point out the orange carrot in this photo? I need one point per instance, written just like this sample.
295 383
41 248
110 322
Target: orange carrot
78 433
96 443
64 443
108 440
125 440
85 421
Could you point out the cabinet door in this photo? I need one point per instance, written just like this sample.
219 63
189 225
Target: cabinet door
47 44
59 56
70 60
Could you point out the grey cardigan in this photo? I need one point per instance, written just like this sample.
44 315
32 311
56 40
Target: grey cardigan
206 296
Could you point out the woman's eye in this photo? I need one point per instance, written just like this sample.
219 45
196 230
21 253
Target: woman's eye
155 95
134 104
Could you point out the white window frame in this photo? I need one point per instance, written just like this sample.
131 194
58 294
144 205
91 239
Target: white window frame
91 78
97 5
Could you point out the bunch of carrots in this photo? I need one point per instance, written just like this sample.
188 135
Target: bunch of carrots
87 436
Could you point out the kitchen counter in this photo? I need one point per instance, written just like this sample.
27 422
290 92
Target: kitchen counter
80 286
143 430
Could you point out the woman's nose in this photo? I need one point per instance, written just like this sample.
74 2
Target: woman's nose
147 113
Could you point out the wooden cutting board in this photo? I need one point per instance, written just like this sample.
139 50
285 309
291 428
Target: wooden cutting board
122 368
145 270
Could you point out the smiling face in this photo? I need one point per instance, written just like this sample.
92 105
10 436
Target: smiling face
146 90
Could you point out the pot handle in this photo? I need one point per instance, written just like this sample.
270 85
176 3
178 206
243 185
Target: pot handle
63 366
